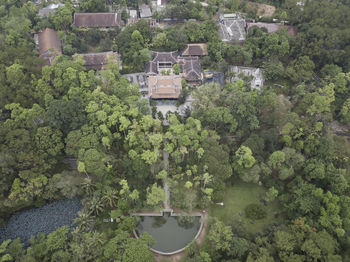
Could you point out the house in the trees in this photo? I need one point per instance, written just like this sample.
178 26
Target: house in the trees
161 61
274 27
133 17
98 61
145 11
191 70
232 28
50 9
164 87
249 74
49 45
99 20
159 5
196 50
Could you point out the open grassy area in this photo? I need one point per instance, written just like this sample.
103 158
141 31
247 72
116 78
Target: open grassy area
237 197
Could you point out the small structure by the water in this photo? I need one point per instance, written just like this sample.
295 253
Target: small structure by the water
173 232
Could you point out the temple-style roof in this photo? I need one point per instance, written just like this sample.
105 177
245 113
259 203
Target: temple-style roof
101 20
49 45
191 68
166 87
195 50
161 60
98 61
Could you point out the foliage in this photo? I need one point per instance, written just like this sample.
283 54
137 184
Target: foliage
255 211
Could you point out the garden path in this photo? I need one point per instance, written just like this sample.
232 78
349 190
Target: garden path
165 183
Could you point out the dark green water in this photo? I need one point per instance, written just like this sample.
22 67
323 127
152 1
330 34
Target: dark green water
170 232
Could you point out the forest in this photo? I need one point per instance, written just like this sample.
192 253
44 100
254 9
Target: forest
278 159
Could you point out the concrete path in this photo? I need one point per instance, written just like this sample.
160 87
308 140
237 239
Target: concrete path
165 183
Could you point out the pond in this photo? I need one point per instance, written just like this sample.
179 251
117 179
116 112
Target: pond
171 232
45 219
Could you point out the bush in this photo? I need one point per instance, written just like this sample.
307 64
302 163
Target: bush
255 211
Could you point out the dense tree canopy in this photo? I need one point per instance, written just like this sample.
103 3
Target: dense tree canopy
69 132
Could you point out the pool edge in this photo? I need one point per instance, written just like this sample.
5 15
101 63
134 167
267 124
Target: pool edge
199 214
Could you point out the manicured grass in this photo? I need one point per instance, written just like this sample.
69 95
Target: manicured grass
236 198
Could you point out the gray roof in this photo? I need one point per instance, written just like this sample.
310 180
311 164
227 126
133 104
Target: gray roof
145 11
50 9
256 75
160 57
191 68
133 13
232 29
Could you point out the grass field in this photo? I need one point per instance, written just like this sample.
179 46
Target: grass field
237 197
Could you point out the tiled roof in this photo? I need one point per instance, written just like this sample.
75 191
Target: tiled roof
98 61
167 87
97 20
273 27
191 68
195 50
49 44
160 57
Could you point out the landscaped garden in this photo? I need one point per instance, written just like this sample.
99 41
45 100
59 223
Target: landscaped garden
237 198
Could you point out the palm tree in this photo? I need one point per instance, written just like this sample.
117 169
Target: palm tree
95 204
88 186
110 197
94 239
84 221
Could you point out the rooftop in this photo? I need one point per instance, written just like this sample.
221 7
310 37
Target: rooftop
133 13
191 68
145 11
98 61
46 11
166 87
232 27
195 50
255 75
161 60
101 20
49 45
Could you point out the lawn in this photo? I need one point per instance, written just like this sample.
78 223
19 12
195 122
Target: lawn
236 198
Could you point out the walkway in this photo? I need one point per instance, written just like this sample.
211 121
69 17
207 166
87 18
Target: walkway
165 183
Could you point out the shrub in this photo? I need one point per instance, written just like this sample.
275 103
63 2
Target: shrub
255 211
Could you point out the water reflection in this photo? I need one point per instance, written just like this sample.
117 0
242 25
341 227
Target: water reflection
171 233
